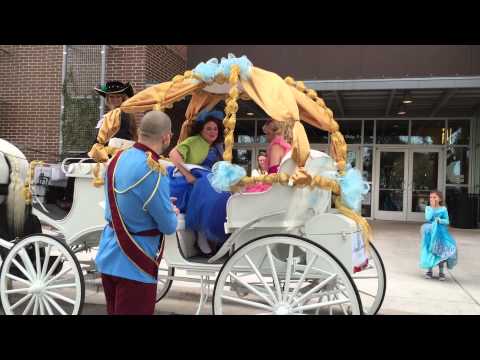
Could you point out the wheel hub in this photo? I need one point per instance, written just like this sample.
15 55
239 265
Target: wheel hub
37 287
282 309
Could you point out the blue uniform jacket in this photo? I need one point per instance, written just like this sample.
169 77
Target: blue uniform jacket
159 214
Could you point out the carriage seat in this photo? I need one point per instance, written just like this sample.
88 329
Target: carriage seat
81 169
245 207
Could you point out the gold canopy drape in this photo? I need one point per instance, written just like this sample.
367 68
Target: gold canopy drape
282 100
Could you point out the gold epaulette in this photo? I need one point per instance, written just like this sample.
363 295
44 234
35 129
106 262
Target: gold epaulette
155 165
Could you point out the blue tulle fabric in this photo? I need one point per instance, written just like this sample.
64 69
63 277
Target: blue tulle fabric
207 71
437 243
224 175
203 206
180 188
207 211
203 115
353 188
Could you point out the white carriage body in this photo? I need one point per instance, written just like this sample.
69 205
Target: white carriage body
249 216
86 219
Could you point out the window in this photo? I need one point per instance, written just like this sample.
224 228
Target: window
368 131
244 132
243 157
458 132
457 165
427 132
392 131
351 130
315 136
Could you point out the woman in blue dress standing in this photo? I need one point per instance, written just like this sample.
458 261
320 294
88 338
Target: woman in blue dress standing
438 246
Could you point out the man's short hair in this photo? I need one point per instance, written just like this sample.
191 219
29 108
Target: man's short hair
154 124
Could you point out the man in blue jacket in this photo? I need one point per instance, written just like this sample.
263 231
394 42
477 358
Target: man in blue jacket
138 211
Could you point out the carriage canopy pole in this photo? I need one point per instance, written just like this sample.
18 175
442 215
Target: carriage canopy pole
102 78
62 98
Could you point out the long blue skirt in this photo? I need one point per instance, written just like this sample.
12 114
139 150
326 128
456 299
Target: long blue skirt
206 211
437 246
181 189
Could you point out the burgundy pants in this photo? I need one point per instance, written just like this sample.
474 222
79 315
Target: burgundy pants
128 297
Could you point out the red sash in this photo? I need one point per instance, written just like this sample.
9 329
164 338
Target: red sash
125 240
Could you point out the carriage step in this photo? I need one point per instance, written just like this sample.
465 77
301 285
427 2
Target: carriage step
204 260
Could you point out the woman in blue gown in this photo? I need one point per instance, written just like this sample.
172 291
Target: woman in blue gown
204 208
438 246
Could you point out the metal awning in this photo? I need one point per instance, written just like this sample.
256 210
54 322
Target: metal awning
416 97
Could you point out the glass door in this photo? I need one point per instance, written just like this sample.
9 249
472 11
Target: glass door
425 172
391 180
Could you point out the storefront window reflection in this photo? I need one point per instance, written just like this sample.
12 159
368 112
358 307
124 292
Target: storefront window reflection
458 132
457 165
392 131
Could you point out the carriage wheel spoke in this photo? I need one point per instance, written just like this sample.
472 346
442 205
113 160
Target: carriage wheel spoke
60 297
320 305
251 288
42 308
248 302
60 274
345 312
363 277
29 305
261 278
55 305
302 278
22 269
47 306
16 278
35 307
16 291
54 266
37 258
61 286
45 261
315 288
366 293
20 302
289 271
28 262
274 272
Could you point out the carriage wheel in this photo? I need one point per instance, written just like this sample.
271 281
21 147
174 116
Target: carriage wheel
313 283
372 282
30 284
164 285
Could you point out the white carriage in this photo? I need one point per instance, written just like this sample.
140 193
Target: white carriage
284 255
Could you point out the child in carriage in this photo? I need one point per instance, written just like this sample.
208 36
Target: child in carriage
278 147
437 247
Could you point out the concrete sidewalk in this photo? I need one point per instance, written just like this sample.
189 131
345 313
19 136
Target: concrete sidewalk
408 292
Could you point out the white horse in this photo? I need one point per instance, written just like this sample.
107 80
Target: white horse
13 171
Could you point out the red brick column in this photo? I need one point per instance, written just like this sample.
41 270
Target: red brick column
30 98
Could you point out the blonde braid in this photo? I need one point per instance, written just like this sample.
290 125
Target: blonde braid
339 146
231 109
27 188
339 153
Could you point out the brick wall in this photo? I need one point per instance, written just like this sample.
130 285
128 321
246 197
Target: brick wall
127 63
30 97
163 62
30 87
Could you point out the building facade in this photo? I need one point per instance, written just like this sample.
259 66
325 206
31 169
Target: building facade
47 104
410 115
